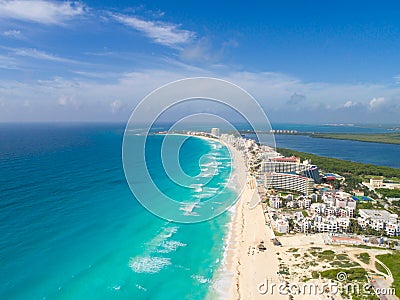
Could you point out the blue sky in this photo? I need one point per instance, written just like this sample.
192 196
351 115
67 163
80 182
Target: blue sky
304 61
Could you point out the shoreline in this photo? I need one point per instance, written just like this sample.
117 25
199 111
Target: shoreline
243 267
250 266
225 277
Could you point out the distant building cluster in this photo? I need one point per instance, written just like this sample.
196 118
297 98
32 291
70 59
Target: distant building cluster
332 213
215 132
284 131
379 183
379 219
303 208
277 171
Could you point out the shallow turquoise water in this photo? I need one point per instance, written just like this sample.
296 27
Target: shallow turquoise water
71 229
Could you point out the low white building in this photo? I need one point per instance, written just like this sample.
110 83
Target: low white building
275 201
378 215
379 219
282 226
392 229
329 224
304 225
318 208
304 203
343 224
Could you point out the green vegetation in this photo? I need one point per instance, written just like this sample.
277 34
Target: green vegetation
365 247
283 270
354 274
344 167
278 233
392 261
343 261
292 250
380 268
326 254
368 205
344 264
386 138
316 248
336 260
387 193
364 257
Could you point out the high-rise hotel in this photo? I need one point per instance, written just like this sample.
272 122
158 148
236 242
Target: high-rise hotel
289 174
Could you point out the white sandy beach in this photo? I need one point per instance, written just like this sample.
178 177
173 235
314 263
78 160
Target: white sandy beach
249 266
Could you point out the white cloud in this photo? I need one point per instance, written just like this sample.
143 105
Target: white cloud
376 102
41 11
94 99
12 33
115 106
163 33
38 54
68 101
62 101
349 104
7 62
199 52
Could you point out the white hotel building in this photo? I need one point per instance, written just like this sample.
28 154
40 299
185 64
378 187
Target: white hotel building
379 219
289 182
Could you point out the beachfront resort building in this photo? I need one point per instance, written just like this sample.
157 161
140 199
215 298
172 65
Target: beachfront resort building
275 201
329 224
379 183
276 165
379 219
339 204
215 132
289 182
282 226
289 174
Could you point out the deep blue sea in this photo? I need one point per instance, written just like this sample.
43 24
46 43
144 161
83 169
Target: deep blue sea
70 227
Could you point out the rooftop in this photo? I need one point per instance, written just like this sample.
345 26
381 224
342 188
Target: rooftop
286 159
377 213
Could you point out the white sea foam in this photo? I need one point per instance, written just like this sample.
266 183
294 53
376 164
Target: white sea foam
141 288
224 158
156 241
191 213
208 164
207 174
149 264
200 278
204 195
197 187
209 189
170 246
188 208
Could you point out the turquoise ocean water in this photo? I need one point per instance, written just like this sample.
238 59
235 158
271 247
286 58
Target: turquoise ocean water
71 229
